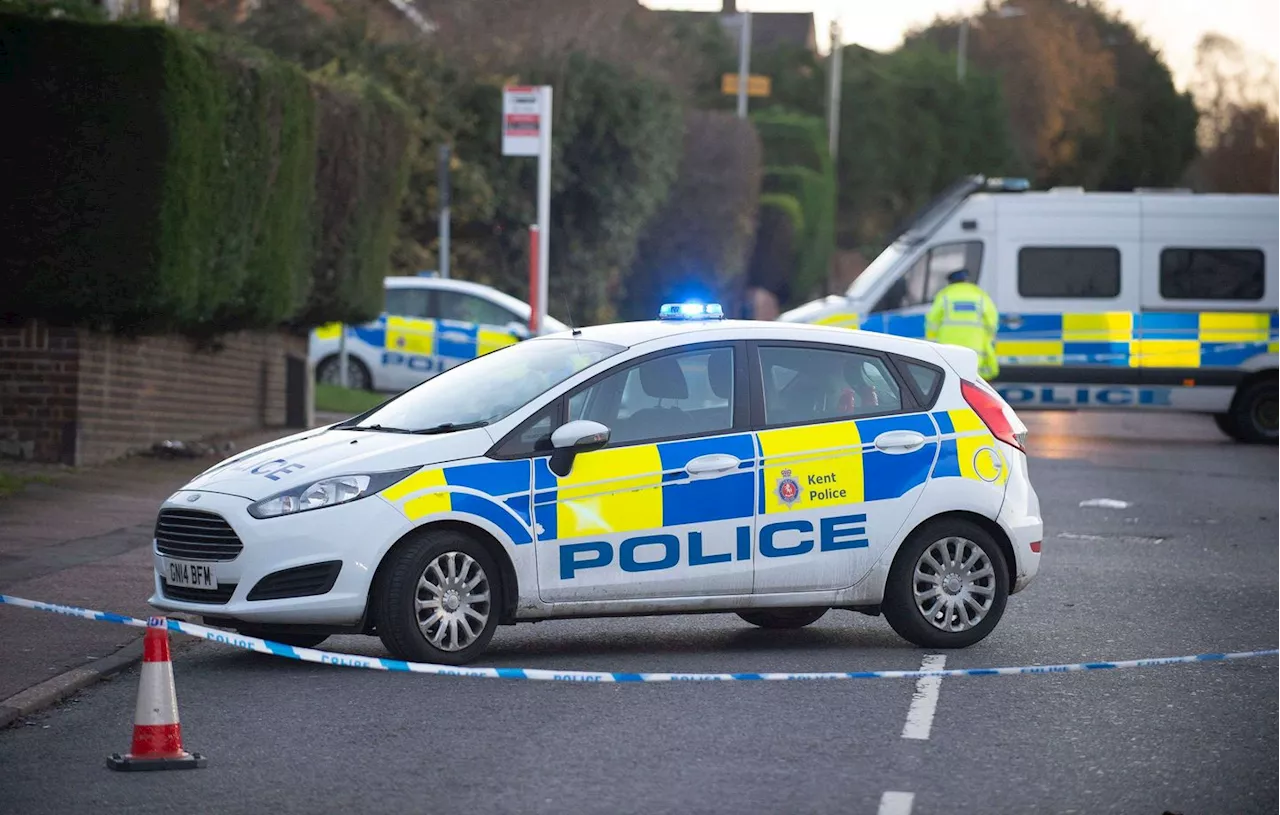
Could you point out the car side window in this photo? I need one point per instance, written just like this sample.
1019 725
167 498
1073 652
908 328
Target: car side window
467 308
805 384
410 302
532 436
928 276
681 394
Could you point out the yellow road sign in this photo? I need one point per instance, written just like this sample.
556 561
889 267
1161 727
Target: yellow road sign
756 85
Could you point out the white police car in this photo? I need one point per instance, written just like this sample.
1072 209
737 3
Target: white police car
688 464
428 325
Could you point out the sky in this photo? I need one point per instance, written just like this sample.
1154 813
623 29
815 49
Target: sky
1175 26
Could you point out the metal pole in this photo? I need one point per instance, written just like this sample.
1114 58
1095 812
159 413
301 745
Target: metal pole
342 355
964 47
744 63
833 104
544 204
446 204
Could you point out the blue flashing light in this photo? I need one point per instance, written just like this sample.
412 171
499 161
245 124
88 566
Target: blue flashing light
691 311
1008 184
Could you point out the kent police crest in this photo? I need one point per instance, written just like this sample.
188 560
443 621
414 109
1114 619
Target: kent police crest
788 488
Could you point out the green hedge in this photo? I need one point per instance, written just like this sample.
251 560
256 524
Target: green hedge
362 169
778 232
167 181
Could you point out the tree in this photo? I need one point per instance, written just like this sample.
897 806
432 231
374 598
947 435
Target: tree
1237 92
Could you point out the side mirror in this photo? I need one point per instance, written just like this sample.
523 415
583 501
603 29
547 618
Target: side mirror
576 437
518 330
580 436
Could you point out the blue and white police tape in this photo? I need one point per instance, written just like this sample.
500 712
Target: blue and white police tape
545 675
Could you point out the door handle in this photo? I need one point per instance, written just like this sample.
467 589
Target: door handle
712 464
899 441
1011 320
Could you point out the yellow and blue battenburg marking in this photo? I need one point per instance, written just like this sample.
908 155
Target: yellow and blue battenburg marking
409 335
1153 339
647 486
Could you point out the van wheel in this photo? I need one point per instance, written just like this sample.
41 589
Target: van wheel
439 599
948 585
783 617
1224 423
1252 419
358 376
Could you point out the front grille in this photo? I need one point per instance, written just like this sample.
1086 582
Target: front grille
300 581
194 534
217 596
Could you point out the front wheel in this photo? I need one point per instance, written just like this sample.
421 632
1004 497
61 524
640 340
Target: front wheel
438 600
783 617
329 372
948 585
1252 419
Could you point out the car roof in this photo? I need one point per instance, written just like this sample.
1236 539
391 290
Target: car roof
467 287
640 333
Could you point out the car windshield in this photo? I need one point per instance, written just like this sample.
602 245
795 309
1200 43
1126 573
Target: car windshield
884 263
487 388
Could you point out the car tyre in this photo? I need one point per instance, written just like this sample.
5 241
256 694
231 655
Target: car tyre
439 599
358 376
938 619
783 617
296 639
1252 419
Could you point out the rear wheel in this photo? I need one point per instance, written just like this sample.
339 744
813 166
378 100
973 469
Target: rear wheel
1252 418
948 585
783 617
358 376
439 599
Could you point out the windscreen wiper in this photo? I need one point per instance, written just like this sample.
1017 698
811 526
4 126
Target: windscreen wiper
377 428
447 427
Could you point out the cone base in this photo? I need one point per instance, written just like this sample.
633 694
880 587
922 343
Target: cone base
130 763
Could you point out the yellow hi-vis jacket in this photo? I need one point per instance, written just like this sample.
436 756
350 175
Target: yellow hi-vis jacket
963 314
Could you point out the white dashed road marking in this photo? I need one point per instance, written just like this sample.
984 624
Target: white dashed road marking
896 803
925 701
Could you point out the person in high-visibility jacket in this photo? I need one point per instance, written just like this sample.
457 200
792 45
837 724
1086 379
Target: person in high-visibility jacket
963 314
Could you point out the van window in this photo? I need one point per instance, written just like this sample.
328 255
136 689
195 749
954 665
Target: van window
1212 274
1069 272
928 275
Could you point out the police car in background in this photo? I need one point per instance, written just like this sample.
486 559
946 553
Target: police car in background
429 325
1140 300
687 464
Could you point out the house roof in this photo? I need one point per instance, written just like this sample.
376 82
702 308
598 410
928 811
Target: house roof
768 29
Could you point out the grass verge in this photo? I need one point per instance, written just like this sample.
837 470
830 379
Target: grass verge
336 399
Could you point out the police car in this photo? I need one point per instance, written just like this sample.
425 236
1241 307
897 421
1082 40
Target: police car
686 464
429 324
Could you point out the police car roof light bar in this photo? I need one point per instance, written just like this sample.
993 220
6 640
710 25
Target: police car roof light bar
691 311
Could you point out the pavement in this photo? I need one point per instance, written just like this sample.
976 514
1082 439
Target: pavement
1189 565
83 539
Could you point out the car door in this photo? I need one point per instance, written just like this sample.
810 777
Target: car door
666 508
902 309
845 451
471 326
409 355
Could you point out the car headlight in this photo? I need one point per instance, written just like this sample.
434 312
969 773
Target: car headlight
328 492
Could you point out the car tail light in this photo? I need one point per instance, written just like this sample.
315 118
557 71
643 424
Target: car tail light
991 413
1036 546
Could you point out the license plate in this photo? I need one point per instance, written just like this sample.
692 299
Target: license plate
191 575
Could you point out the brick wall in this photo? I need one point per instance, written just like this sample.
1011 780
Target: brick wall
38 379
81 398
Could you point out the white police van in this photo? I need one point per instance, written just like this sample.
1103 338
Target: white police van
1145 300
429 325
688 464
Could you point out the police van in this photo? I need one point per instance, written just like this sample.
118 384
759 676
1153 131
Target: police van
1160 300
429 324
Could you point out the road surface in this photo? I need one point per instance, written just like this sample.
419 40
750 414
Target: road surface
1189 566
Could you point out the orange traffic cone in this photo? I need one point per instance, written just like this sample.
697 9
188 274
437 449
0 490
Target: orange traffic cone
157 736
